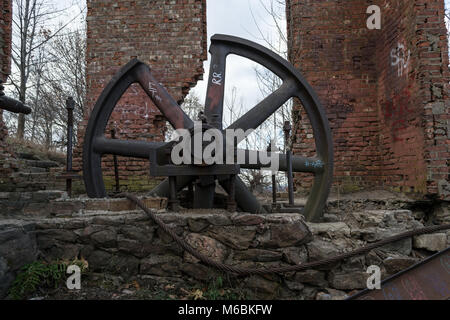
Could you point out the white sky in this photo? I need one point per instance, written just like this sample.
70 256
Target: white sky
233 17
237 18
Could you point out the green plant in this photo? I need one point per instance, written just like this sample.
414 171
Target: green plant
39 274
217 291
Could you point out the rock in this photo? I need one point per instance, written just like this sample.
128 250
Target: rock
330 229
133 247
99 260
262 288
6 277
207 246
349 280
239 238
58 234
287 235
161 265
123 265
330 218
106 238
142 233
199 272
197 225
258 255
294 286
17 246
331 294
397 264
320 250
442 213
431 242
295 255
353 264
312 277
247 219
323 296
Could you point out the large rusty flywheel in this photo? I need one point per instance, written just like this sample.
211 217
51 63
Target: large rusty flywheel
96 144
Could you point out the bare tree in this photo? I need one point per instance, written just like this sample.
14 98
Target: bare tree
30 34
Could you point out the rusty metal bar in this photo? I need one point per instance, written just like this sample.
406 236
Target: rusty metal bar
287 130
426 280
10 104
116 165
231 203
70 105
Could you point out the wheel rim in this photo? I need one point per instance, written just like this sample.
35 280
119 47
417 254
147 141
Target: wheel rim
294 85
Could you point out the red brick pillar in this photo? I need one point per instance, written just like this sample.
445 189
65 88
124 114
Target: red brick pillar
5 56
170 36
332 47
385 91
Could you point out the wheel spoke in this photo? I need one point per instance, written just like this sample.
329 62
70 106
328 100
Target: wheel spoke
126 148
244 198
263 110
163 100
162 190
299 164
216 86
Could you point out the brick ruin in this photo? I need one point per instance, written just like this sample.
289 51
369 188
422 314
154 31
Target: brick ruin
170 36
385 91
5 60
390 126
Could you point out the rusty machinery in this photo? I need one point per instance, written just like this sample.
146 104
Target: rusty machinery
204 177
12 105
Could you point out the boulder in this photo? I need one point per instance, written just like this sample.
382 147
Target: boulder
239 238
348 280
431 242
258 255
161 265
207 246
287 235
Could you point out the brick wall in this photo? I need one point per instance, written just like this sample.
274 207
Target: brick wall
170 36
5 62
383 91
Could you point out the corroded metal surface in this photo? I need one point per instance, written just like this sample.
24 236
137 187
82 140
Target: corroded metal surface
204 177
427 280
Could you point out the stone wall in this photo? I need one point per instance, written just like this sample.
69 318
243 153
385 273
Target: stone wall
170 36
129 244
385 91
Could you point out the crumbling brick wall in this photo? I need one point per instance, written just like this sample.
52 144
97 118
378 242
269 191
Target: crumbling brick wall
170 36
383 91
5 66
5 55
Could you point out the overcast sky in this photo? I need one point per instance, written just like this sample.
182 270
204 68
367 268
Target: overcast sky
242 18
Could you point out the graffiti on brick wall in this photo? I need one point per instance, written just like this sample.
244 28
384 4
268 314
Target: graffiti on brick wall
400 58
397 110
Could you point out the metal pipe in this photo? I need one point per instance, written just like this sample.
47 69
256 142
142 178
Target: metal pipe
70 105
10 104
287 131
231 202
173 201
116 165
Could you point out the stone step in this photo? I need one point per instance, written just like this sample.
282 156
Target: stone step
57 204
46 164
